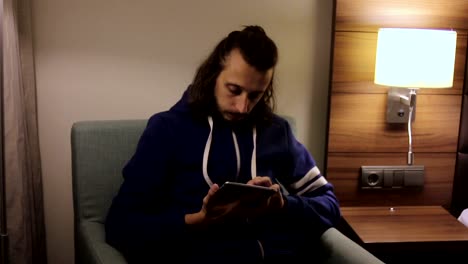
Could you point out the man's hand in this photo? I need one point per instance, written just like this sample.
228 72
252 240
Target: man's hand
213 212
276 201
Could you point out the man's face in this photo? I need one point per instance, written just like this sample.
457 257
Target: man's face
239 87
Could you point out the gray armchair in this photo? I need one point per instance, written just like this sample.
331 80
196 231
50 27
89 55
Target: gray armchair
99 151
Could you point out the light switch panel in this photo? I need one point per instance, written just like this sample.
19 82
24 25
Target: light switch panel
392 177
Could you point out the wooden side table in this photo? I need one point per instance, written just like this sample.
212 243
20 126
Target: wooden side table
411 233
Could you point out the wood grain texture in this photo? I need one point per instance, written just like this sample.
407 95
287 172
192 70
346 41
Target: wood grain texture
343 171
354 63
404 224
358 124
369 15
358 133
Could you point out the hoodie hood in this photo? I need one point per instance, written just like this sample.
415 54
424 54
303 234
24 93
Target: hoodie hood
182 106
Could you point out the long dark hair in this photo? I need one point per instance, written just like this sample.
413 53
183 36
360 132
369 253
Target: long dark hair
257 49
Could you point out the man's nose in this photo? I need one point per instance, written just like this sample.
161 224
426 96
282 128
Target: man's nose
242 104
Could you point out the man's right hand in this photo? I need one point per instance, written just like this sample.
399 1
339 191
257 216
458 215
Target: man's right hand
212 212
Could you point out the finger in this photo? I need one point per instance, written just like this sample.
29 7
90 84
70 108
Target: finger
276 200
222 210
276 187
261 180
213 189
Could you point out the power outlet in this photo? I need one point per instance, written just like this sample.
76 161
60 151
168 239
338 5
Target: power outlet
392 177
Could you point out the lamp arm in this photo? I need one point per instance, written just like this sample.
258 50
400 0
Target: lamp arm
412 103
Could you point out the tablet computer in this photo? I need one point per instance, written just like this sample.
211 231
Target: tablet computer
232 191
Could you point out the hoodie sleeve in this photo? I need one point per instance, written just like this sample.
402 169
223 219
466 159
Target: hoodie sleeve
137 217
309 195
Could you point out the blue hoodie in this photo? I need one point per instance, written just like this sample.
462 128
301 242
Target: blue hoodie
178 157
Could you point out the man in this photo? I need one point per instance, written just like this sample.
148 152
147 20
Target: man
222 129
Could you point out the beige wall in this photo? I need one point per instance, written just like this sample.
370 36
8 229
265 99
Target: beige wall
98 59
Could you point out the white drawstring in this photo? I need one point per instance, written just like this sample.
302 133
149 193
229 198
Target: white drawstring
236 147
253 163
206 153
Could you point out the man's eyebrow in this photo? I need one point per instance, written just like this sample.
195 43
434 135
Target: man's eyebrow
240 87
234 84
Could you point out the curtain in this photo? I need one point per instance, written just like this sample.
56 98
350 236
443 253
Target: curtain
23 179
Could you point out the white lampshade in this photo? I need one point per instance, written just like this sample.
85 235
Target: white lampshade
415 58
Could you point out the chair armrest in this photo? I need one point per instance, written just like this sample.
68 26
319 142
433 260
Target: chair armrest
338 248
91 247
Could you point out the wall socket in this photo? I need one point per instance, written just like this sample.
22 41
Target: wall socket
392 177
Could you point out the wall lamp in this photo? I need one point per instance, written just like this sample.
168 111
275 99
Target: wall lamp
408 59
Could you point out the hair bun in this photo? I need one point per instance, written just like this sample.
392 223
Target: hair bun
254 29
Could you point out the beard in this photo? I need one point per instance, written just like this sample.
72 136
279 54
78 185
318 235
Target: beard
234 117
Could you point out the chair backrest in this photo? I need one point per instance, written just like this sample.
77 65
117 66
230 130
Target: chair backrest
100 149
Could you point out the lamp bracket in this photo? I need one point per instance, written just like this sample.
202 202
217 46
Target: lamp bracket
398 103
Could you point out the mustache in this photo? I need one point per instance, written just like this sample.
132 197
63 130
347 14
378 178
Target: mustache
238 115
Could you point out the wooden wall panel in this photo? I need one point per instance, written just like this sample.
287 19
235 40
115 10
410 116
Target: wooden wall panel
344 173
354 62
358 124
358 133
369 15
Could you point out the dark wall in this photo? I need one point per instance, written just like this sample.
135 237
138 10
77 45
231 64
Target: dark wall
460 181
